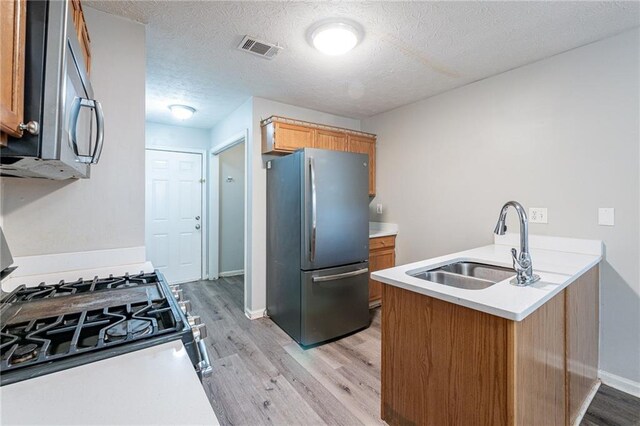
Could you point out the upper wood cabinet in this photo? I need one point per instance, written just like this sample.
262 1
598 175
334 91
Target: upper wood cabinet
328 139
286 138
13 15
284 135
366 145
81 30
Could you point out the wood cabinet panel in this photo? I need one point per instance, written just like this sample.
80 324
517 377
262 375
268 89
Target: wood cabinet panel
442 364
382 242
328 139
538 380
382 255
12 50
367 146
290 137
379 260
582 321
284 138
83 33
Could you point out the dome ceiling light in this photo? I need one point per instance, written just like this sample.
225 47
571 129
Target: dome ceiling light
335 37
182 112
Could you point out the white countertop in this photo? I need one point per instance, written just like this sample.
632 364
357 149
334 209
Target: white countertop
157 385
382 229
558 261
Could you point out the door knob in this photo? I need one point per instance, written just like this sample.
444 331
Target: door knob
197 217
197 226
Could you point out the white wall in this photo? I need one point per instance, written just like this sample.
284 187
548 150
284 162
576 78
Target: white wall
167 136
562 133
231 165
107 210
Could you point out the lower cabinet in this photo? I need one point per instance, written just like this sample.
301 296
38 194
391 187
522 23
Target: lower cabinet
445 364
382 255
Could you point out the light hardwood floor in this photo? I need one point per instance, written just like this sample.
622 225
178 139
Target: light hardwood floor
261 376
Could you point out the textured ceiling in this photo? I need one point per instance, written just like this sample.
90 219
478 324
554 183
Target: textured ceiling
410 50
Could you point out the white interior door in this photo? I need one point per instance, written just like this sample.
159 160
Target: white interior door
173 229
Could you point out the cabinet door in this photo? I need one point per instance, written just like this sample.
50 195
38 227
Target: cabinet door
378 260
365 145
382 255
327 139
290 137
12 49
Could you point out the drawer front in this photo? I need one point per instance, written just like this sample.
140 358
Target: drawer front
382 242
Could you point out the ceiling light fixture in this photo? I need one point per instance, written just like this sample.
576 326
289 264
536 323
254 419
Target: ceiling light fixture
182 112
335 38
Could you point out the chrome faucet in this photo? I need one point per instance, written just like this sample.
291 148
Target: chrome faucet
521 262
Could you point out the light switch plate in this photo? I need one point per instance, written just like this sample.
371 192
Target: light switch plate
379 208
538 215
606 216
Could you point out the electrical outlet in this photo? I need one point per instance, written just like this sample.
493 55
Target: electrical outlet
538 215
606 216
379 208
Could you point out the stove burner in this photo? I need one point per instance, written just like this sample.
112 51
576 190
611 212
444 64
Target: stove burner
137 327
25 353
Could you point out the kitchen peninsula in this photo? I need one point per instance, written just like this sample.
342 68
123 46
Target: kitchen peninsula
495 354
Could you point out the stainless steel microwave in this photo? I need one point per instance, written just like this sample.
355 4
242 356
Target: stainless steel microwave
68 131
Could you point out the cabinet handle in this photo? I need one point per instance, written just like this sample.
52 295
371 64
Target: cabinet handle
32 127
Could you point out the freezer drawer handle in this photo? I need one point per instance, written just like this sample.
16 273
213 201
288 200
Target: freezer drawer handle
340 276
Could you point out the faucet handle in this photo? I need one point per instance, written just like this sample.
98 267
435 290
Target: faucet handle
522 261
514 255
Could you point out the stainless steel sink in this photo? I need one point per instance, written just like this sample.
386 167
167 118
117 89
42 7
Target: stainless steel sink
467 275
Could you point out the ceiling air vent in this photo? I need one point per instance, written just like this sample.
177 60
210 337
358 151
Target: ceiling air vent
259 47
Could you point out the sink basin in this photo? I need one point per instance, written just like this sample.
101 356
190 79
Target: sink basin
467 275
479 270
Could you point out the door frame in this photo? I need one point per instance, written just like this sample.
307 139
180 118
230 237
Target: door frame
204 251
214 216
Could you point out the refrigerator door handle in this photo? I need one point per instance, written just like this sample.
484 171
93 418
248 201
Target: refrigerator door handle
340 276
312 178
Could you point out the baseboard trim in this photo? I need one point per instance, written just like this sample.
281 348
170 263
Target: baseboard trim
256 314
620 383
231 273
587 402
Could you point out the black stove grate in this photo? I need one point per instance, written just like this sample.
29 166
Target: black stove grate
40 341
66 288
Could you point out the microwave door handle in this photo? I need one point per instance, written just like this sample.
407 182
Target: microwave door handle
97 108
75 116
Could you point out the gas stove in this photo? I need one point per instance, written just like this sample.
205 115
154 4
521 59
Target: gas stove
52 327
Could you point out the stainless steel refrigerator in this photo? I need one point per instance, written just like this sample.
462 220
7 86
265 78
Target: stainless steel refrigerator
318 244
